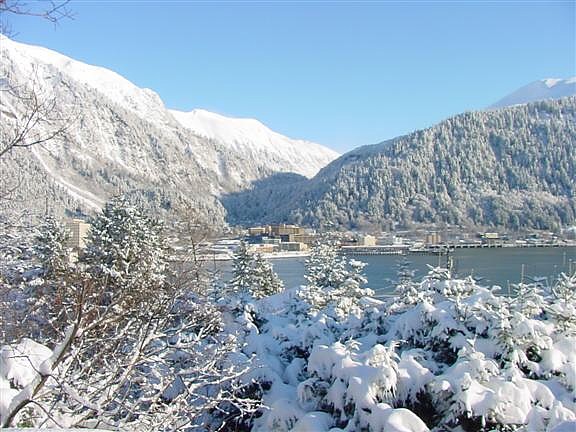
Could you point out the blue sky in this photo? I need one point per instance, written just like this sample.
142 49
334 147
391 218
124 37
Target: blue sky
339 73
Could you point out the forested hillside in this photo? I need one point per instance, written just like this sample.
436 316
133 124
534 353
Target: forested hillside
97 135
512 168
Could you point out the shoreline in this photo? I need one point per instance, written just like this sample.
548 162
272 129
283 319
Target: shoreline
442 249
401 250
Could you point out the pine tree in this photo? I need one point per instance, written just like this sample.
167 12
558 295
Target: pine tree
47 290
50 246
266 281
243 275
126 255
324 268
252 275
407 288
562 304
332 279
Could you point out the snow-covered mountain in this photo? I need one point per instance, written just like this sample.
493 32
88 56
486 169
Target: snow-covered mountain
120 138
256 140
514 167
549 88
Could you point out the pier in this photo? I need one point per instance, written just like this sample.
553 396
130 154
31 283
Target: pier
442 249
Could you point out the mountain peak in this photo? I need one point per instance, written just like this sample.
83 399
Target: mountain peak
255 138
551 82
124 139
40 62
548 88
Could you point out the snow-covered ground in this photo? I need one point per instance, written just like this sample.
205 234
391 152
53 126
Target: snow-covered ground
445 354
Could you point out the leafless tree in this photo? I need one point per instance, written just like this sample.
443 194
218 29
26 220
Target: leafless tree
192 232
49 10
162 364
34 120
31 113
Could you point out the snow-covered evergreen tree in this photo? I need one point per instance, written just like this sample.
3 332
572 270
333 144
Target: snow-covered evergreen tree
126 255
252 275
333 279
324 267
325 272
242 271
406 287
266 281
51 246
38 293
563 303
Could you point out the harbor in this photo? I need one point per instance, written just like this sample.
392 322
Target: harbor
442 249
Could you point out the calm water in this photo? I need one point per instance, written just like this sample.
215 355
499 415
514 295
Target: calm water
492 266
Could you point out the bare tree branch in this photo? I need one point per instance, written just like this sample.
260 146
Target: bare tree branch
35 118
51 11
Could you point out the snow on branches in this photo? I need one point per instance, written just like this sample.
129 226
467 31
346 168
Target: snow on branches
252 275
137 351
445 354
130 349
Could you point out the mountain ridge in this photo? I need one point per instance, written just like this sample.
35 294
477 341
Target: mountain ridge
120 138
514 167
547 88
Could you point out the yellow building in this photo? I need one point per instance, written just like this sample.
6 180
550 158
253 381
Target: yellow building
283 229
433 238
293 247
78 233
256 231
306 238
367 240
263 248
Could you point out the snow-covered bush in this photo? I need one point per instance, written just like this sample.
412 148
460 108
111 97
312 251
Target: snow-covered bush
252 276
136 352
445 354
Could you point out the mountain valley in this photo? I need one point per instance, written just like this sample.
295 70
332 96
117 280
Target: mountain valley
510 167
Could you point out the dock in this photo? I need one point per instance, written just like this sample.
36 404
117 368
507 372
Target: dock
441 249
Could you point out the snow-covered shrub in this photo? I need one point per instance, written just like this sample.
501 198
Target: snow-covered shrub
252 276
445 354
136 352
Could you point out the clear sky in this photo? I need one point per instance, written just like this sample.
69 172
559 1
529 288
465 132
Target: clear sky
340 73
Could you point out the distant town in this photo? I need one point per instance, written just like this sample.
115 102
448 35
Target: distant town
285 240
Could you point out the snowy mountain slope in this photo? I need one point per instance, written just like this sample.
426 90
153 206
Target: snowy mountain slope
45 64
513 168
550 88
121 138
252 137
